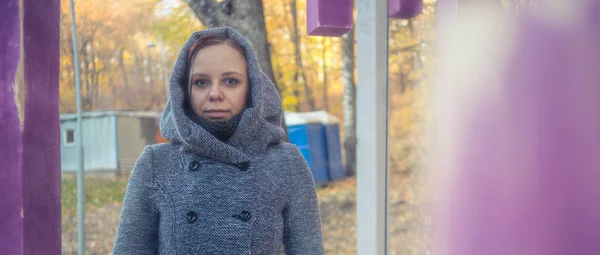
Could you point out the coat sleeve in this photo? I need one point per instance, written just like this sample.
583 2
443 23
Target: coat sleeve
137 232
302 220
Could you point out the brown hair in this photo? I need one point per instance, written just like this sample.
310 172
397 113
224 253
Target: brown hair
209 40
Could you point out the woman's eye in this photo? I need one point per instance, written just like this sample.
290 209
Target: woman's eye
230 81
201 83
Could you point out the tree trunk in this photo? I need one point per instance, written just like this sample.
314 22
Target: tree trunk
95 77
297 95
246 17
122 67
325 91
349 102
298 57
85 85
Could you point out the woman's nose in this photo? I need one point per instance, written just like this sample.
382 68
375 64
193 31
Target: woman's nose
215 93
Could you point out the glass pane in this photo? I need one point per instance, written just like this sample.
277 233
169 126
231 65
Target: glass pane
410 58
70 136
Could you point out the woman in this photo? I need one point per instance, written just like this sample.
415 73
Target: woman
227 184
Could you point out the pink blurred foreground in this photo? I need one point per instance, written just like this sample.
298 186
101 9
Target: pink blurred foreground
518 106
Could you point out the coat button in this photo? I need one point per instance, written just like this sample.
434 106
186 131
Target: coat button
194 165
192 216
244 166
245 216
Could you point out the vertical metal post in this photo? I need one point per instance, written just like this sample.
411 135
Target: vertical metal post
80 174
371 126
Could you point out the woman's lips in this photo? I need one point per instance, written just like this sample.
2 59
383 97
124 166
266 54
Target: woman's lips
216 114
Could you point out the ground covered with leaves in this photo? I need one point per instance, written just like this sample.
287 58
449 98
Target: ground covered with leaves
337 203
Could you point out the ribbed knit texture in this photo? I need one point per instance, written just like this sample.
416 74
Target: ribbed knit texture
221 129
200 195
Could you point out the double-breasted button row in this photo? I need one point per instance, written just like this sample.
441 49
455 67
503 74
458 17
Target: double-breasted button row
243 216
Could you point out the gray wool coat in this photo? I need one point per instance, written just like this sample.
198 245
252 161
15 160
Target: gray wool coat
198 195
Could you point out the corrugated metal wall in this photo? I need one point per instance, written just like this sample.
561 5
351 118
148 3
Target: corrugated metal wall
99 144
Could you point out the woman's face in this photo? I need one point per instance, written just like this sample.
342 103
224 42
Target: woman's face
219 83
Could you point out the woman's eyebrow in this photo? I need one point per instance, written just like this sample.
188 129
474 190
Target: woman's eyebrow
199 75
232 72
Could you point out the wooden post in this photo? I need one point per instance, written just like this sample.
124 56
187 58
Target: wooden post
30 176
41 128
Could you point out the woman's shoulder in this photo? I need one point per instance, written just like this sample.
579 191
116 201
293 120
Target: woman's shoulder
287 156
152 152
287 151
162 148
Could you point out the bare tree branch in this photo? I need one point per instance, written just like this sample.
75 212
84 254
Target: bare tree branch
407 48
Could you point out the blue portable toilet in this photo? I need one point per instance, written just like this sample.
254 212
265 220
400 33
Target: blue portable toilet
317 136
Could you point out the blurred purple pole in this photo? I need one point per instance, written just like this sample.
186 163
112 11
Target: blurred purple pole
526 171
41 128
11 189
30 220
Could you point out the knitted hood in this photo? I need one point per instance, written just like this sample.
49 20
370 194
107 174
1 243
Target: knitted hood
260 124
